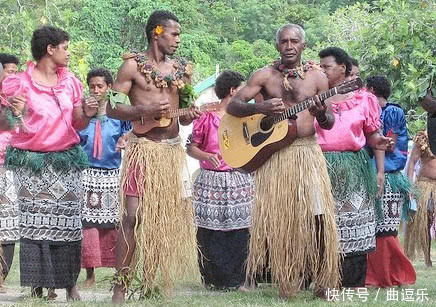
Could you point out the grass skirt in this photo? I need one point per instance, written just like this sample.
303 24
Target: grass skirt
164 230
291 188
417 233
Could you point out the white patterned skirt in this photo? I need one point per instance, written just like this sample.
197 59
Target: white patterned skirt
223 200
9 212
101 198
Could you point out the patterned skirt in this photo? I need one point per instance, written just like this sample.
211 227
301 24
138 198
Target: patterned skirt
394 204
50 225
354 189
49 204
49 265
223 200
9 212
101 198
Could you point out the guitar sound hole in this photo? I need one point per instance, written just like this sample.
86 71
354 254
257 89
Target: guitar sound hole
266 124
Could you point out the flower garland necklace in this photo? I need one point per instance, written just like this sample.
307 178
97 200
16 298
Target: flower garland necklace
181 69
297 72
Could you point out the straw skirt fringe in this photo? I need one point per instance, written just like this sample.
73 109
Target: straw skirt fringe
164 230
291 188
417 233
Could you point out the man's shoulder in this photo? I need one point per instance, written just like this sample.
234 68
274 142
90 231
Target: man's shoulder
263 73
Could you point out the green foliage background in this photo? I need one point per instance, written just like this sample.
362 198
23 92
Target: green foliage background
392 37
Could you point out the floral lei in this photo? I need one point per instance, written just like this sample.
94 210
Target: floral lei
421 139
181 69
297 72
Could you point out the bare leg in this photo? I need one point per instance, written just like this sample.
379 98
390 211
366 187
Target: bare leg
427 249
90 278
125 245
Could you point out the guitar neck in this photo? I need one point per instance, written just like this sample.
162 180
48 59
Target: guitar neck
185 111
288 113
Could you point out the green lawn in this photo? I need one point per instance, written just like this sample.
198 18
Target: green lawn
189 293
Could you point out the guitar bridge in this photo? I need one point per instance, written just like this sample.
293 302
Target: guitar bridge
245 133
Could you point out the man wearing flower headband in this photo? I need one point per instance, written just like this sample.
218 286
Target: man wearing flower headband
294 212
157 223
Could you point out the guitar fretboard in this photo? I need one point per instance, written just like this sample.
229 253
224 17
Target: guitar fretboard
181 112
302 106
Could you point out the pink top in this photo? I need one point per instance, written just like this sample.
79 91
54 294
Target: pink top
354 118
205 134
48 122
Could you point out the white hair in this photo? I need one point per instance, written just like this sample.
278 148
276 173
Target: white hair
291 26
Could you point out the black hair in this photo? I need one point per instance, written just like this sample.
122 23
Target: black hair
6 58
354 62
380 85
341 57
225 81
100 72
44 36
156 18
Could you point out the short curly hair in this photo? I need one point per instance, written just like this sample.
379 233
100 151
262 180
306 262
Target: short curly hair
340 55
225 81
156 18
380 85
100 72
44 36
6 58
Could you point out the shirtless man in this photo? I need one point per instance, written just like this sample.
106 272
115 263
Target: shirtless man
294 213
418 228
156 226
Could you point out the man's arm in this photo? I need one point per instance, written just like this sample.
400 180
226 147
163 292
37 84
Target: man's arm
123 84
414 157
239 107
322 111
428 103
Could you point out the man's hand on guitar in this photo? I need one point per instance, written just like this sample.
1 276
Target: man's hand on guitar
319 108
193 113
271 106
155 110
214 159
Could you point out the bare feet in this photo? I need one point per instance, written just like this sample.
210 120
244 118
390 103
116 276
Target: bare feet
323 293
90 278
243 288
118 296
2 289
90 282
286 293
73 294
51 294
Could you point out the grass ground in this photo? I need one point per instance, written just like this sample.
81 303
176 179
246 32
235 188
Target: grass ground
189 293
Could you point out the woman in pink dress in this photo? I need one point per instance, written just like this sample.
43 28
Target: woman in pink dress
222 198
47 161
353 177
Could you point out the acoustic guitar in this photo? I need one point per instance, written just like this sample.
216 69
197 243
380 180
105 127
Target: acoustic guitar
144 125
247 142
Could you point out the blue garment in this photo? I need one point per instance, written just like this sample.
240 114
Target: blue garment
111 130
394 121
